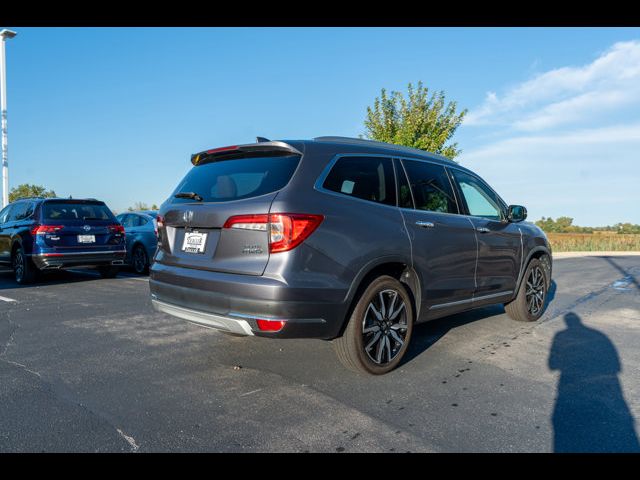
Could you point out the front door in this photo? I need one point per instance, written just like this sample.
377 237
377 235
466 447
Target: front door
499 241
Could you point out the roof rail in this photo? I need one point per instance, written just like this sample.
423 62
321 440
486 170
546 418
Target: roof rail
362 141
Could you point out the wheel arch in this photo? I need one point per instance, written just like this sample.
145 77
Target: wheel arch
396 267
537 252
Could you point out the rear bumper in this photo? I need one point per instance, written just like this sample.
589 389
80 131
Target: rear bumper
218 322
233 303
49 261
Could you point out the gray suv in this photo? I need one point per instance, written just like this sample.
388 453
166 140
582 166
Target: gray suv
341 239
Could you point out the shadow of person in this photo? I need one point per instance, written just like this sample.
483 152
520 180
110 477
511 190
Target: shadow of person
590 413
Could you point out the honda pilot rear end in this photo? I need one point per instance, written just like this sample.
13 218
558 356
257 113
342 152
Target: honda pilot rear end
217 233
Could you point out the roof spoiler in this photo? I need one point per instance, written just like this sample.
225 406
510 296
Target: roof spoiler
268 146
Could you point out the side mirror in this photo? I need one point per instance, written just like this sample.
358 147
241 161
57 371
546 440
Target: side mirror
516 213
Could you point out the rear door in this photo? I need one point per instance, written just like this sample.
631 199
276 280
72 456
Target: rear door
499 241
192 233
85 225
443 242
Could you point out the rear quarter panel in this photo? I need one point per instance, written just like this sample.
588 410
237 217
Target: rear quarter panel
355 235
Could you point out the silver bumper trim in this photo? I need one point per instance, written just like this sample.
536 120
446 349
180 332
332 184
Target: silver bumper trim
210 320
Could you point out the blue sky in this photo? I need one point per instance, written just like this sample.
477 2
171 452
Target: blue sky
114 113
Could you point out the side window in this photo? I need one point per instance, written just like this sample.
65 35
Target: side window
18 212
30 210
430 186
4 214
480 200
124 219
142 221
23 210
136 220
368 178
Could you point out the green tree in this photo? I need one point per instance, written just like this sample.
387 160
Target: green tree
417 121
27 190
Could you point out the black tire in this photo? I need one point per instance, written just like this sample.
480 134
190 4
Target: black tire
24 271
108 272
140 260
530 302
386 320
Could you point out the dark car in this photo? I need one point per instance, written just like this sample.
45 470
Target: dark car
141 234
38 234
342 239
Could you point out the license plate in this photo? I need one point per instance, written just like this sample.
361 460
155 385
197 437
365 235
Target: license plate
194 242
86 239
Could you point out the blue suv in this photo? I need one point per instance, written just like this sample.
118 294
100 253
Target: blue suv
38 234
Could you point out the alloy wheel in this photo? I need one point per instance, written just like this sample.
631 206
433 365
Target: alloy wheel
535 291
384 326
18 265
139 260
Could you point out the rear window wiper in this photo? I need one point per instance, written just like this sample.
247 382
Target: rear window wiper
93 218
191 195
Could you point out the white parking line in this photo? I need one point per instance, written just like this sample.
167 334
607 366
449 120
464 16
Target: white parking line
7 299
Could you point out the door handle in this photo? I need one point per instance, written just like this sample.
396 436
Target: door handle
422 224
483 230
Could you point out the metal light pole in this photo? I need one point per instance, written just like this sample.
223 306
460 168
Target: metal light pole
4 34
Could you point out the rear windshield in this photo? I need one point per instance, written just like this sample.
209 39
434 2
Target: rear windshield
76 211
239 178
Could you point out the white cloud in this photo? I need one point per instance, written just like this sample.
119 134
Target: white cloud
567 95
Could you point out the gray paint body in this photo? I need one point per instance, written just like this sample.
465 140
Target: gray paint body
448 268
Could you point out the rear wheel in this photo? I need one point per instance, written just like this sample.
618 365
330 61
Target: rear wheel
529 304
139 260
379 329
23 269
108 272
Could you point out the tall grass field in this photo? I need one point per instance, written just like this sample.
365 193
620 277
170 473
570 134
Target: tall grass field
594 242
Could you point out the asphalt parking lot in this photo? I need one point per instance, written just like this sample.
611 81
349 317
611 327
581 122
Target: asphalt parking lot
87 365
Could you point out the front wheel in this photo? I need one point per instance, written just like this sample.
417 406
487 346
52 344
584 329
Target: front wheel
379 329
529 304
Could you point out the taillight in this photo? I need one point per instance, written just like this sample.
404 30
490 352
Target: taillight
42 229
159 221
248 222
286 230
116 229
270 325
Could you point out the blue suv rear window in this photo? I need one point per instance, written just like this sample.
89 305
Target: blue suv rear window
76 211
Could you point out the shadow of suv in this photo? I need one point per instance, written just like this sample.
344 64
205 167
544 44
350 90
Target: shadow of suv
341 239
38 234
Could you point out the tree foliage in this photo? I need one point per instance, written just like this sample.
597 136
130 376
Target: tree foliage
27 190
565 225
417 121
142 206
